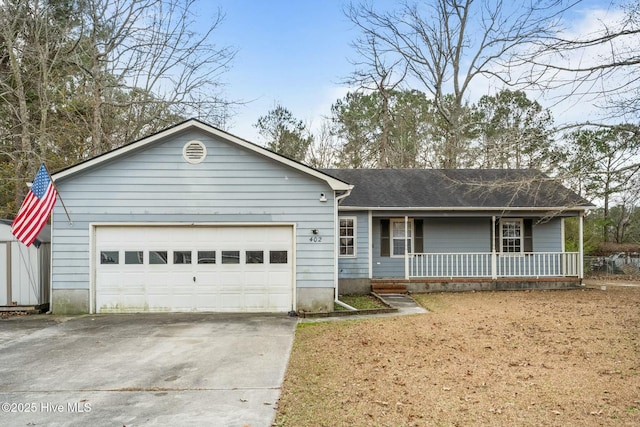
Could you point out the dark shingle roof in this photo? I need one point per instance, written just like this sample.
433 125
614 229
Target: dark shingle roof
455 188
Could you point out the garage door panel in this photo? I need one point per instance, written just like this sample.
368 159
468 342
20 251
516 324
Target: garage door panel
278 300
134 300
207 302
249 283
276 278
160 302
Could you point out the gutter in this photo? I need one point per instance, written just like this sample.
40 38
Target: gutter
336 249
465 208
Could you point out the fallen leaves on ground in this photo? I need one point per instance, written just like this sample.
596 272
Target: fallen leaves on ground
529 358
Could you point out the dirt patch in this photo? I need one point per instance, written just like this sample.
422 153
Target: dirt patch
553 358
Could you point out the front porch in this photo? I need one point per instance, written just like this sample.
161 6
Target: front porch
492 265
463 252
435 272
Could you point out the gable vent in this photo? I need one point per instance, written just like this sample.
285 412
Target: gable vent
194 152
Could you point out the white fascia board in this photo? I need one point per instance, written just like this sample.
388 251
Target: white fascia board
191 224
335 184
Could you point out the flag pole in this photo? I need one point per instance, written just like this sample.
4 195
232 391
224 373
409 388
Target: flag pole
59 195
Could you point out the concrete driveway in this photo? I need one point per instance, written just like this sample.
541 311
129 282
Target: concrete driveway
143 369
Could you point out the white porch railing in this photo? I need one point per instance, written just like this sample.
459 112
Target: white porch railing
487 264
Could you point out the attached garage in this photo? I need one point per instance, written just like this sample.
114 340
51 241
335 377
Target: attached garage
194 219
222 268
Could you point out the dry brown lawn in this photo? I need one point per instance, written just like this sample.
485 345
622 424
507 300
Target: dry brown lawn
533 358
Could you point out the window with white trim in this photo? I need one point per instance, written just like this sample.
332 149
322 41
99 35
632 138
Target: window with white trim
347 231
397 236
511 236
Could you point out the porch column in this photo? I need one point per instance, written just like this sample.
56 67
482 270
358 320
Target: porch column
406 247
370 242
494 259
581 247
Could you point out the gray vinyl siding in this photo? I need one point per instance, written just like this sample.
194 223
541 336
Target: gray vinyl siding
157 185
460 235
456 235
441 235
547 236
358 266
384 266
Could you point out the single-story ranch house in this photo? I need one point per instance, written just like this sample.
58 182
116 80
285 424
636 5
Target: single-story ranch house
195 219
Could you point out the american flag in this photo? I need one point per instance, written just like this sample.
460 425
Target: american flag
35 209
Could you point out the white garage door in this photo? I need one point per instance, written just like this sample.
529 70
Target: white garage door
223 269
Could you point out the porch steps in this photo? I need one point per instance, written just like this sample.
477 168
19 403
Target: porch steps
388 286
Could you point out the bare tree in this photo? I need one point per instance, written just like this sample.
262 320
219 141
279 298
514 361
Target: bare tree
375 72
323 149
600 66
78 78
449 44
32 43
139 55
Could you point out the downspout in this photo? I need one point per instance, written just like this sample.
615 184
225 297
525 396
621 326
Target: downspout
51 265
336 246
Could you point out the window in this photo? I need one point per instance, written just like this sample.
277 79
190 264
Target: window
255 257
157 257
347 236
133 257
277 257
511 236
397 236
109 257
231 257
182 257
206 257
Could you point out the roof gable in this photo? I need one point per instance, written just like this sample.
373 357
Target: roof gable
333 182
456 189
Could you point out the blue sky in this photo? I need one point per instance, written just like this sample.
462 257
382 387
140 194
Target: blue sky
296 53
291 52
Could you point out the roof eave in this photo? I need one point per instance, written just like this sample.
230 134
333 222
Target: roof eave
466 208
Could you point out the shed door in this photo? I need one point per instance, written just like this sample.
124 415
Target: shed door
222 269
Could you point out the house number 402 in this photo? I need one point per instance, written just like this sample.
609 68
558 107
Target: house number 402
315 239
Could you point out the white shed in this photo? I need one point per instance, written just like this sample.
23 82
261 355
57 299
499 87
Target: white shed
24 271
